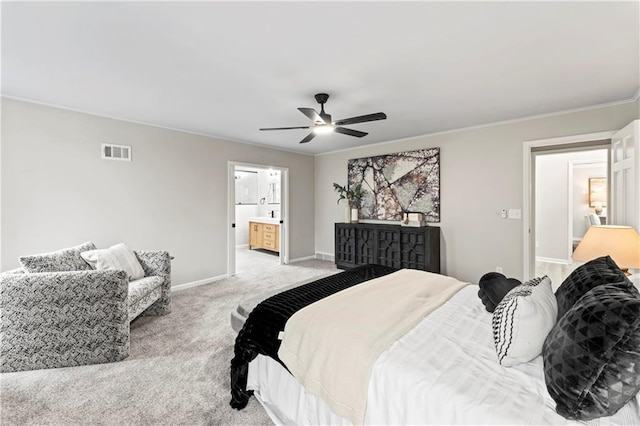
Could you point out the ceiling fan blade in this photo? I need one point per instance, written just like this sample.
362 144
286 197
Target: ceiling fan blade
362 119
308 137
312 114
350 132
285 128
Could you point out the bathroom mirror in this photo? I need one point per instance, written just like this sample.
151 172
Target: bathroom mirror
246 187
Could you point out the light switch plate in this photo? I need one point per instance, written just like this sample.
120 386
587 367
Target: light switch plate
515 214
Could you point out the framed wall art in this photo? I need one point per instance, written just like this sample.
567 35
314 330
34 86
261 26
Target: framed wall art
393 184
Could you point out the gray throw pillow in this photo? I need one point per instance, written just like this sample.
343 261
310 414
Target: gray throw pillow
68 259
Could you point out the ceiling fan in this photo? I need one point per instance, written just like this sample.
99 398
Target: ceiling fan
322 121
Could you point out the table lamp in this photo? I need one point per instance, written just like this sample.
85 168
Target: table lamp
622 243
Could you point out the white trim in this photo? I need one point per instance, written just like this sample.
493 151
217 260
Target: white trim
225 139
569 217
231 211
231 218
528 269
198 283
496 123
159 126
552 260
325 256
302 259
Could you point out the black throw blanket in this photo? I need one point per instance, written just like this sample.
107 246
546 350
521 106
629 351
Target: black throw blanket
260 332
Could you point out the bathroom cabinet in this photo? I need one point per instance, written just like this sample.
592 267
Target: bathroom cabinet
264 235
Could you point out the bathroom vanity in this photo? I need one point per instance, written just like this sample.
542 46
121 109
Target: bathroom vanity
264 233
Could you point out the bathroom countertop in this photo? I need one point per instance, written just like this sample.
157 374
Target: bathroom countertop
265 219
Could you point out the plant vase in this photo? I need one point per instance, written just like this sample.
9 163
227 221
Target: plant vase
347 214
354 214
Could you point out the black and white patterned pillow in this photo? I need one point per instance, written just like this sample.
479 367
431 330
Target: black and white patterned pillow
522 320
68 259
600 271
592 355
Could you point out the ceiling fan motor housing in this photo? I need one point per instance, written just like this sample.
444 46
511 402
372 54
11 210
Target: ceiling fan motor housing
322 98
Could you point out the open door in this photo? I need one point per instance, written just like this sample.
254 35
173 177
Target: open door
625 176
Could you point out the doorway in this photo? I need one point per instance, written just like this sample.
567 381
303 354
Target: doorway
533 149
570 190
258 198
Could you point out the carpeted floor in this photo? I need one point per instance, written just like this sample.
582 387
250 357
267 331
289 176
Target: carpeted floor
178 370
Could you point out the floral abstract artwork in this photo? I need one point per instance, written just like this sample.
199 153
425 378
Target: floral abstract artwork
397 183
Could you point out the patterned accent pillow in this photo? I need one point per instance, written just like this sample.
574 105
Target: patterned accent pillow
522 321
118 257
68 259
600 271
591 357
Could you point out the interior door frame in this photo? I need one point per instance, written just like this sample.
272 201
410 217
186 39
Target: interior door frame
231 212
528 195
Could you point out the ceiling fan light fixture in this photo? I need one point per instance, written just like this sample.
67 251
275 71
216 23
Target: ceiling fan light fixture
322 123
323 129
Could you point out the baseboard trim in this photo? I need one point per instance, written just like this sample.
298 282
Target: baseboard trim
325 256
198 283
552 260
301 259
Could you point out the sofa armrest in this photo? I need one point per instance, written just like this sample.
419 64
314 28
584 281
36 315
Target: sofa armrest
157 263
61 319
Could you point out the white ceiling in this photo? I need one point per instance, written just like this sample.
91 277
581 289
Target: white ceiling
226 69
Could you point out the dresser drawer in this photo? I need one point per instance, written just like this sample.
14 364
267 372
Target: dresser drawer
269 236
269 228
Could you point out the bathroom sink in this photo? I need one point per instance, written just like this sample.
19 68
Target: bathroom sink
265 219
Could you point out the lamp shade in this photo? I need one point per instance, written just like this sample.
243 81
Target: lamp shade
622 243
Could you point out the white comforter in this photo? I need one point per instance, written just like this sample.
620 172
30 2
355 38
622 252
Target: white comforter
331 346
444 371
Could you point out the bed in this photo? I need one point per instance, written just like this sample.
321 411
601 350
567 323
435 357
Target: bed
444 370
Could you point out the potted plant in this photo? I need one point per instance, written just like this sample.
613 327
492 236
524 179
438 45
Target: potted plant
353 200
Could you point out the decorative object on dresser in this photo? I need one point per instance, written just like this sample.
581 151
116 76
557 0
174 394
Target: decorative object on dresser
390 245
413 219
264 235
396 183
57 311
353 200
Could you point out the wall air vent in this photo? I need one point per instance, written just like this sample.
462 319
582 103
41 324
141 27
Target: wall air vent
116 152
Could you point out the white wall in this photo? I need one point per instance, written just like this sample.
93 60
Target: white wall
481 172
553 236
56 191
243 214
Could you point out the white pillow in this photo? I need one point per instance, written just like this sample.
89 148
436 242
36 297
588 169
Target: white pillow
522 320
118 257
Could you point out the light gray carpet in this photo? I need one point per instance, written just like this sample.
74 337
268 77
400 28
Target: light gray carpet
178 370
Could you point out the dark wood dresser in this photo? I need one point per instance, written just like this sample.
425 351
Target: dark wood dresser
390 245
